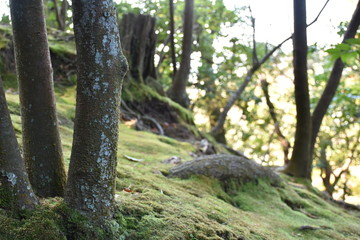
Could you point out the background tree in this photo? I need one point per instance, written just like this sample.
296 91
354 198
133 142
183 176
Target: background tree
138 43
284 142
256 64
41 140
333 82
172 33
299 165
61 13
177 91
101 68
15 190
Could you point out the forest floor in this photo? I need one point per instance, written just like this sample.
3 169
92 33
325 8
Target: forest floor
152 206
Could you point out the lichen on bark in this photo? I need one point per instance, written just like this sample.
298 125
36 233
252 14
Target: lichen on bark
101 68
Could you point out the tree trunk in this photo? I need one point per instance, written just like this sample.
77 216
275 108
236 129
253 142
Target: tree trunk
41 140
326 170
139 43
15 189
177 91
61 13
219 127
300 163
333 82
101 68
172 34
285 144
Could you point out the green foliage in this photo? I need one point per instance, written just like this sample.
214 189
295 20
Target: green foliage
5 19
349 51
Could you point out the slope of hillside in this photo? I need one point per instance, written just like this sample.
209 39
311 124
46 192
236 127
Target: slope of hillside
152 206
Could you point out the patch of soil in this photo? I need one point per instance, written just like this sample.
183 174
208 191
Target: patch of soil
153 113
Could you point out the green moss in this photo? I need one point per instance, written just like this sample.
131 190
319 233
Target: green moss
5 35
142 92
6 198
197 208
60 46
9 80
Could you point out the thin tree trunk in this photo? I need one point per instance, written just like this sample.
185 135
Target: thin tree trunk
60 13
326 170
172 34
15 189
333 82
285 144
235 95
101 68
41 140
299 164
177 91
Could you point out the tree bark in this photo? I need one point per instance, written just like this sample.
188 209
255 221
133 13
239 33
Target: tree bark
101 68
300 163
177 91
139 43
285 144
172 34
15 190
333 82
41 140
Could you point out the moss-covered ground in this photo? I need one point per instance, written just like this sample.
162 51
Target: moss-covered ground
151 206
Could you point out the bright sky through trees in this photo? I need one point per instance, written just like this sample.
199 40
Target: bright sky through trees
274 19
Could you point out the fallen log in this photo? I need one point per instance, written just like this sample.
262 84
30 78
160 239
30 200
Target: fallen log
226 168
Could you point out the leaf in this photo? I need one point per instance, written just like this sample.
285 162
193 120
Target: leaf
133 159
334 52
343 46
353 41
127 190
348 57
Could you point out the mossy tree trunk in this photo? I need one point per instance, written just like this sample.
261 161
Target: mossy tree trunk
41 140
138 43
101 68
15 189
299 163
177 91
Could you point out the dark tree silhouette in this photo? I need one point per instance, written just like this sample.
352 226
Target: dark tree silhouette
172 34
177 91
300 159
333 82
